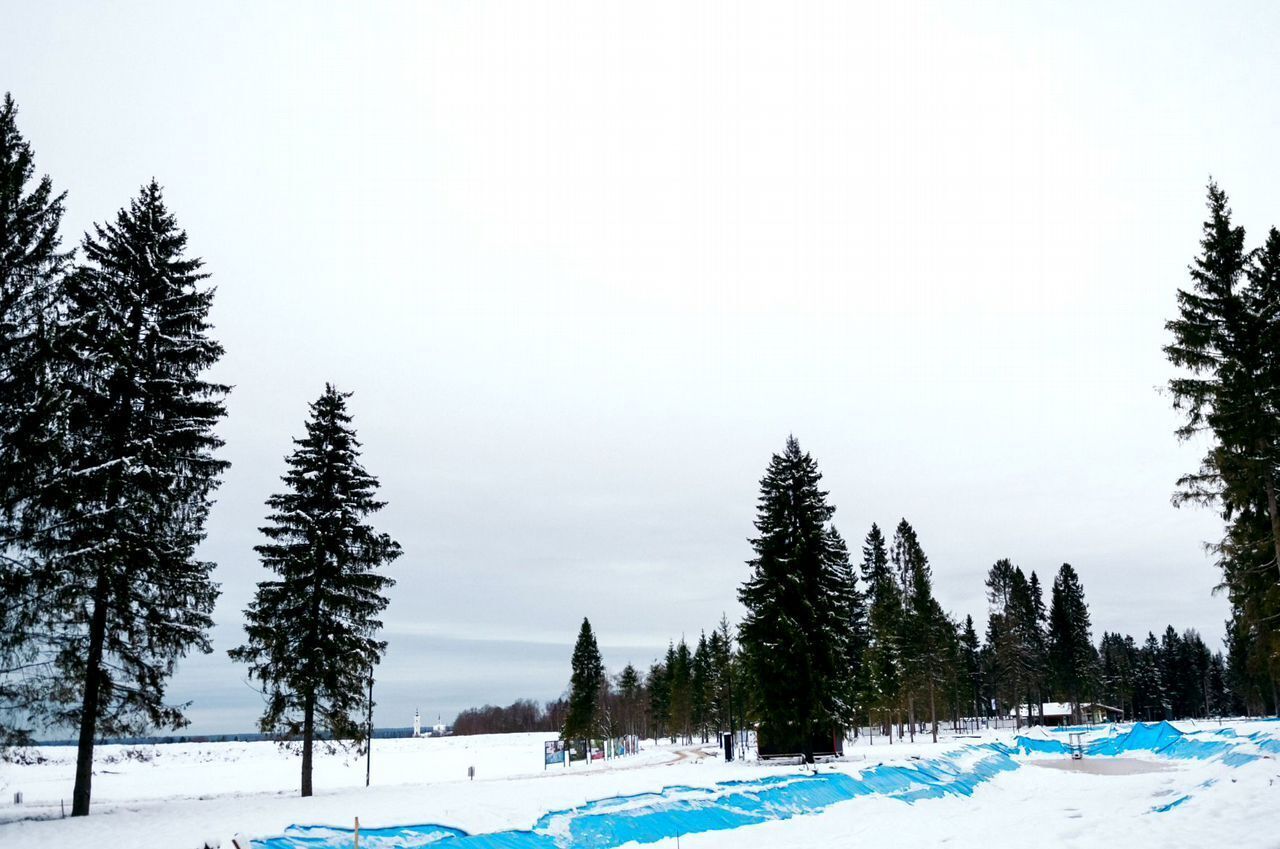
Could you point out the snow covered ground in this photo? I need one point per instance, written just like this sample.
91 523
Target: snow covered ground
178 796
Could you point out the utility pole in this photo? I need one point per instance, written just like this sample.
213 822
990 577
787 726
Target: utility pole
368 751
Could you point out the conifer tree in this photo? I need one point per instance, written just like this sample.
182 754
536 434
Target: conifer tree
630 690
970 654
585 684
680 669
700 688
855 620
795 634
122 515
883 656
926 631
1071 654
1225 343
312 629
31 271
725 664
658 684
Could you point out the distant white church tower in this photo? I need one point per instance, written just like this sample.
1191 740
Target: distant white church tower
417 724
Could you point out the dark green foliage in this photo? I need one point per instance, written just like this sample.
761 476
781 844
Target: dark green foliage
927 634
796 631
971 669
883 656
1015 639
1117 657
631 700
1226 342
658 685
586 683
1072 658
31 270
312 629
125 509
680 666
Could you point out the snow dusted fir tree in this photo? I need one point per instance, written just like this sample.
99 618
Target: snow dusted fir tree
927 635
585 684
883 658
125 594
31 269
312 630
796 631
1072 658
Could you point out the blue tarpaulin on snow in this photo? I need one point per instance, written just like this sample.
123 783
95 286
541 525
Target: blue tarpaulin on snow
678 810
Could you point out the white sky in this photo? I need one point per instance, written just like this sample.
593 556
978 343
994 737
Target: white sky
586 265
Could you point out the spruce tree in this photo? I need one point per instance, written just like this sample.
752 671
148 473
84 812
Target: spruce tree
1225 344
680 667
585 683
855 621
926 631
795 634
126 509
700 688
311 630
971 660
883 655
629 691
725 664
658 684
1072 659
31 270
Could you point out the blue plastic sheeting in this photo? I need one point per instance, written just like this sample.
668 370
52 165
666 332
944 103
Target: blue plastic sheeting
1032 745
1175 803
649 817
1267 744
1160 738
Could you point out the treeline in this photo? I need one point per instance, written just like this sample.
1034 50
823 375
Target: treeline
522 715
108 463
827 644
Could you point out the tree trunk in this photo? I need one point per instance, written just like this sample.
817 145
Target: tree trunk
911 716
933 713
1274 510
308 737
89 707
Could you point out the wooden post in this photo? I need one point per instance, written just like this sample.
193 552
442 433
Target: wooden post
357 833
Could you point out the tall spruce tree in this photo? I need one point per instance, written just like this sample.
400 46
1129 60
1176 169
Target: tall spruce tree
700 688
630 690
795 633
927 633
971 660
31 272
1072 659
1225 344
312 629
585 684
855 620
125 595
883 656
658 685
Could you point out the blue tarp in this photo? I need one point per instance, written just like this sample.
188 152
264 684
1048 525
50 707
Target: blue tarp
649 817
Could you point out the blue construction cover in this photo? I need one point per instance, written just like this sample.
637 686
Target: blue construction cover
681 809
649 817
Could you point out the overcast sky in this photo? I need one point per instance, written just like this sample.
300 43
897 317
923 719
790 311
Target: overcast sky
586 265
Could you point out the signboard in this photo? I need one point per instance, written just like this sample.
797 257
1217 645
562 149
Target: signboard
553 752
